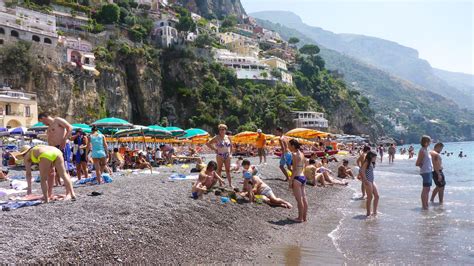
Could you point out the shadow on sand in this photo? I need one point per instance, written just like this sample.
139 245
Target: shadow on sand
284 222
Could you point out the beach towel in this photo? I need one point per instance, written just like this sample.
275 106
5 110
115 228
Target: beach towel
177 176
19 184
105 177
12 205
8 192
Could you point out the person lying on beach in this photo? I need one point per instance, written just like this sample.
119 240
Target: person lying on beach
47 157
261 188
326 176
209 177
248 172
142 163
197 190
344 171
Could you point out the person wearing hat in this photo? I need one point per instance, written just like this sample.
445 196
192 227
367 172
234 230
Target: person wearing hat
260 143
47 157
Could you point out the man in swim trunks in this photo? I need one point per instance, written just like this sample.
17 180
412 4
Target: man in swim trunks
438 175
285 158
47 157
58 133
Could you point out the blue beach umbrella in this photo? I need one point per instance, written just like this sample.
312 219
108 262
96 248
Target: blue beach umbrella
176 131
194 132
39 127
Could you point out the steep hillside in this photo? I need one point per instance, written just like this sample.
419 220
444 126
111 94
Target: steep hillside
387 55
214 8
395 101
463 82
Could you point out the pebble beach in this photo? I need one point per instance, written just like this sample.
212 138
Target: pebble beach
148 218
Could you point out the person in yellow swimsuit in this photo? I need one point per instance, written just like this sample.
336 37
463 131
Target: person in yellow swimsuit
47 157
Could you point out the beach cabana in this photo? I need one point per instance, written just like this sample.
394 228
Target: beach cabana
306 133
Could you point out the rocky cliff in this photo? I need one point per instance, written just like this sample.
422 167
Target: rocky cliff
214 8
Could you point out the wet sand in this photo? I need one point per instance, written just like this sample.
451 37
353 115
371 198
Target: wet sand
149 219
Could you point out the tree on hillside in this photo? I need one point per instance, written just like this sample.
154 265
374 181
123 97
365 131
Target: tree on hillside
229 22
310 49
293 40
109 14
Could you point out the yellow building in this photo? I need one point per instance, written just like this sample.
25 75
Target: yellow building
275 62
17 109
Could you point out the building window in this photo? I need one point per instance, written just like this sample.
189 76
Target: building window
1 110
8 109
35 38
1 41
14 33
27 111
47 40
2 31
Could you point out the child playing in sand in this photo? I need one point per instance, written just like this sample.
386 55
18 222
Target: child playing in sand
248 172
208 176
367 174
197 190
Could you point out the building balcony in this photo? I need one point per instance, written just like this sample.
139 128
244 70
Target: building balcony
10 96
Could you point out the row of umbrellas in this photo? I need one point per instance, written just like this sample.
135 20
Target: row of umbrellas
303 135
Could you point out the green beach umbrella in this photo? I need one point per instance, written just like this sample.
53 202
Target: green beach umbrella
143 131
157 127
85 128
39 127
112 122
176 131
194 132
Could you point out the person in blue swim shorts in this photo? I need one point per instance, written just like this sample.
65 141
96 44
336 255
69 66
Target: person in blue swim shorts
286 157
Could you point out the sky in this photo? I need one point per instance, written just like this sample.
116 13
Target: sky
441 31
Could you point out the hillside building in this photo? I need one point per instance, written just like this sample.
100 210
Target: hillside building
245 67
17 109
280 65
27 25
309 119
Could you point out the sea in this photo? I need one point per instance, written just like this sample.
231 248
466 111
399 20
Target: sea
403 233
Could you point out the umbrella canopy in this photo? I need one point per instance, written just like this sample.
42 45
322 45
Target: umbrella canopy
3 129
39 127
85 128
157 127
18 131
112 122
144 131
176 131
246 137
306 133
194 132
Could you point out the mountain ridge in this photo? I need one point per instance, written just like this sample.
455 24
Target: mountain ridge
388 55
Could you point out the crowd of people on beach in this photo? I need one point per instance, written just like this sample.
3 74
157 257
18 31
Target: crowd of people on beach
300 165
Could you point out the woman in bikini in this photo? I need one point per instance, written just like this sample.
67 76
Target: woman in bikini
297 180
48 158
222 145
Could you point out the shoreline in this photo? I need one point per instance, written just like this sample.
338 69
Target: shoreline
143 218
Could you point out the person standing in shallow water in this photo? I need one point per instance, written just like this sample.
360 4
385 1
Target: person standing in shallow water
222 145
367 175
381 151
438 175
391 153
426 170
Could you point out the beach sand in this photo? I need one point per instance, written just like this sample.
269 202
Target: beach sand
149 219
